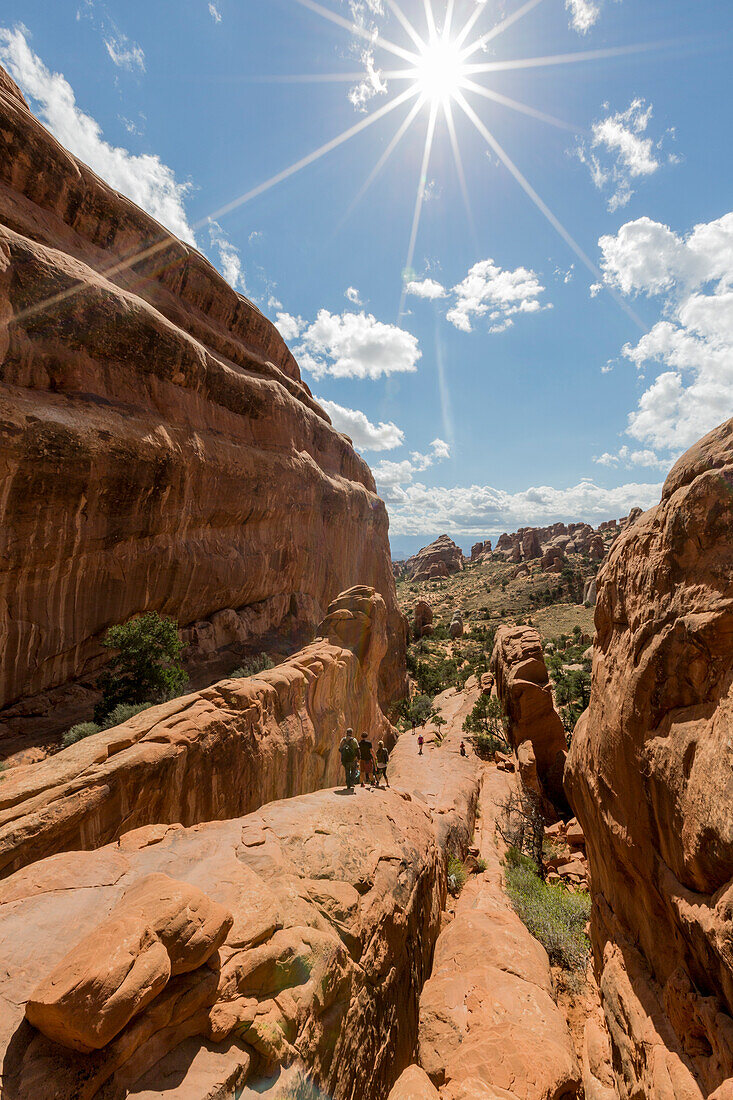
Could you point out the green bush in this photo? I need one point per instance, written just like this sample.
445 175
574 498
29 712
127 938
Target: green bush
145 666
456 875
481 865
78 733
252 667
120 714
552 914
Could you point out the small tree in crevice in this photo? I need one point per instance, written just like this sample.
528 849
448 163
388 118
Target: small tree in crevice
488 723
145 666
521 825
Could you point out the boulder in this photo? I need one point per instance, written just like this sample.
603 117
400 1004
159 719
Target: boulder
218 753
523 688
326 945
161 429
414 1084
650 779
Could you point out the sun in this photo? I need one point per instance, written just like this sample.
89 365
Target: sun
440 71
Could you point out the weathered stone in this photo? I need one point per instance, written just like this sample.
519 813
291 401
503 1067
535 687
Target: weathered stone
423 619
650 778
523 688
219 753
159 448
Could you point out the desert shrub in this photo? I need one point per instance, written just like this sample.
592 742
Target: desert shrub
552 914
456 875
145 666
488 722
417 710
252 667
79 732
481 865
116 717
122 712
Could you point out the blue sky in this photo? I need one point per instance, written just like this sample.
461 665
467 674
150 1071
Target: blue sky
497 381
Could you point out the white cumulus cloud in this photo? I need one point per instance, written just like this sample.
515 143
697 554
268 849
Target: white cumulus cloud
391 474
690 348
426 288
481 510
364 435
488 290
356 345
621 151
145 178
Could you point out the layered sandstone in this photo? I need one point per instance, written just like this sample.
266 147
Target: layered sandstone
159 449
523 686
650 778
441 558
217 754
300 933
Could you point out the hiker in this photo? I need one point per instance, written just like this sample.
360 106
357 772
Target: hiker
349 750
420 745
413 727
366 760
382 762
463 749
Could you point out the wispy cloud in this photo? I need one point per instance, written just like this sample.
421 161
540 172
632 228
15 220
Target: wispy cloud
143 178
391 475
215 13
230 263
620 151
124 53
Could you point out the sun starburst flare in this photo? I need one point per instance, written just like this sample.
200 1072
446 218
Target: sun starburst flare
440 71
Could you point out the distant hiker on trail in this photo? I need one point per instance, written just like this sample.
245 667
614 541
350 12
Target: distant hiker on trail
413 727
366 760
420 742
349 750
382 762
463 749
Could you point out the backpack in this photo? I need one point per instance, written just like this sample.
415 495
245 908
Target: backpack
348 750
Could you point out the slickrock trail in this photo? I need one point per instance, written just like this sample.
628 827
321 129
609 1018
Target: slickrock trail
158 446
489 1026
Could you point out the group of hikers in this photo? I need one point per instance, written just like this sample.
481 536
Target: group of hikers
359 759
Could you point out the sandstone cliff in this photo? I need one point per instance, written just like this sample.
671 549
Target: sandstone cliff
217 754
158 448
441 558
650 777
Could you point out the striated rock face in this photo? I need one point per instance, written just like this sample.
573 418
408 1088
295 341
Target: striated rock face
217 754
650 777
441 558
158 448
523 687
302 932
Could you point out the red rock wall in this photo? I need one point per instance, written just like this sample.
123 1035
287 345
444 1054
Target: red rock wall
217 754
158 448
650 775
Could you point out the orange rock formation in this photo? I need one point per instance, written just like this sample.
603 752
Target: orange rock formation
159 448
650 777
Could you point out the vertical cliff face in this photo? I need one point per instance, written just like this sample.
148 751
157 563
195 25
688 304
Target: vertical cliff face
650 775
158 448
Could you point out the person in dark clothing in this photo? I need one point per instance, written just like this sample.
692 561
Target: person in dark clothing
366 760
349 750
382 762
463 749
420 742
